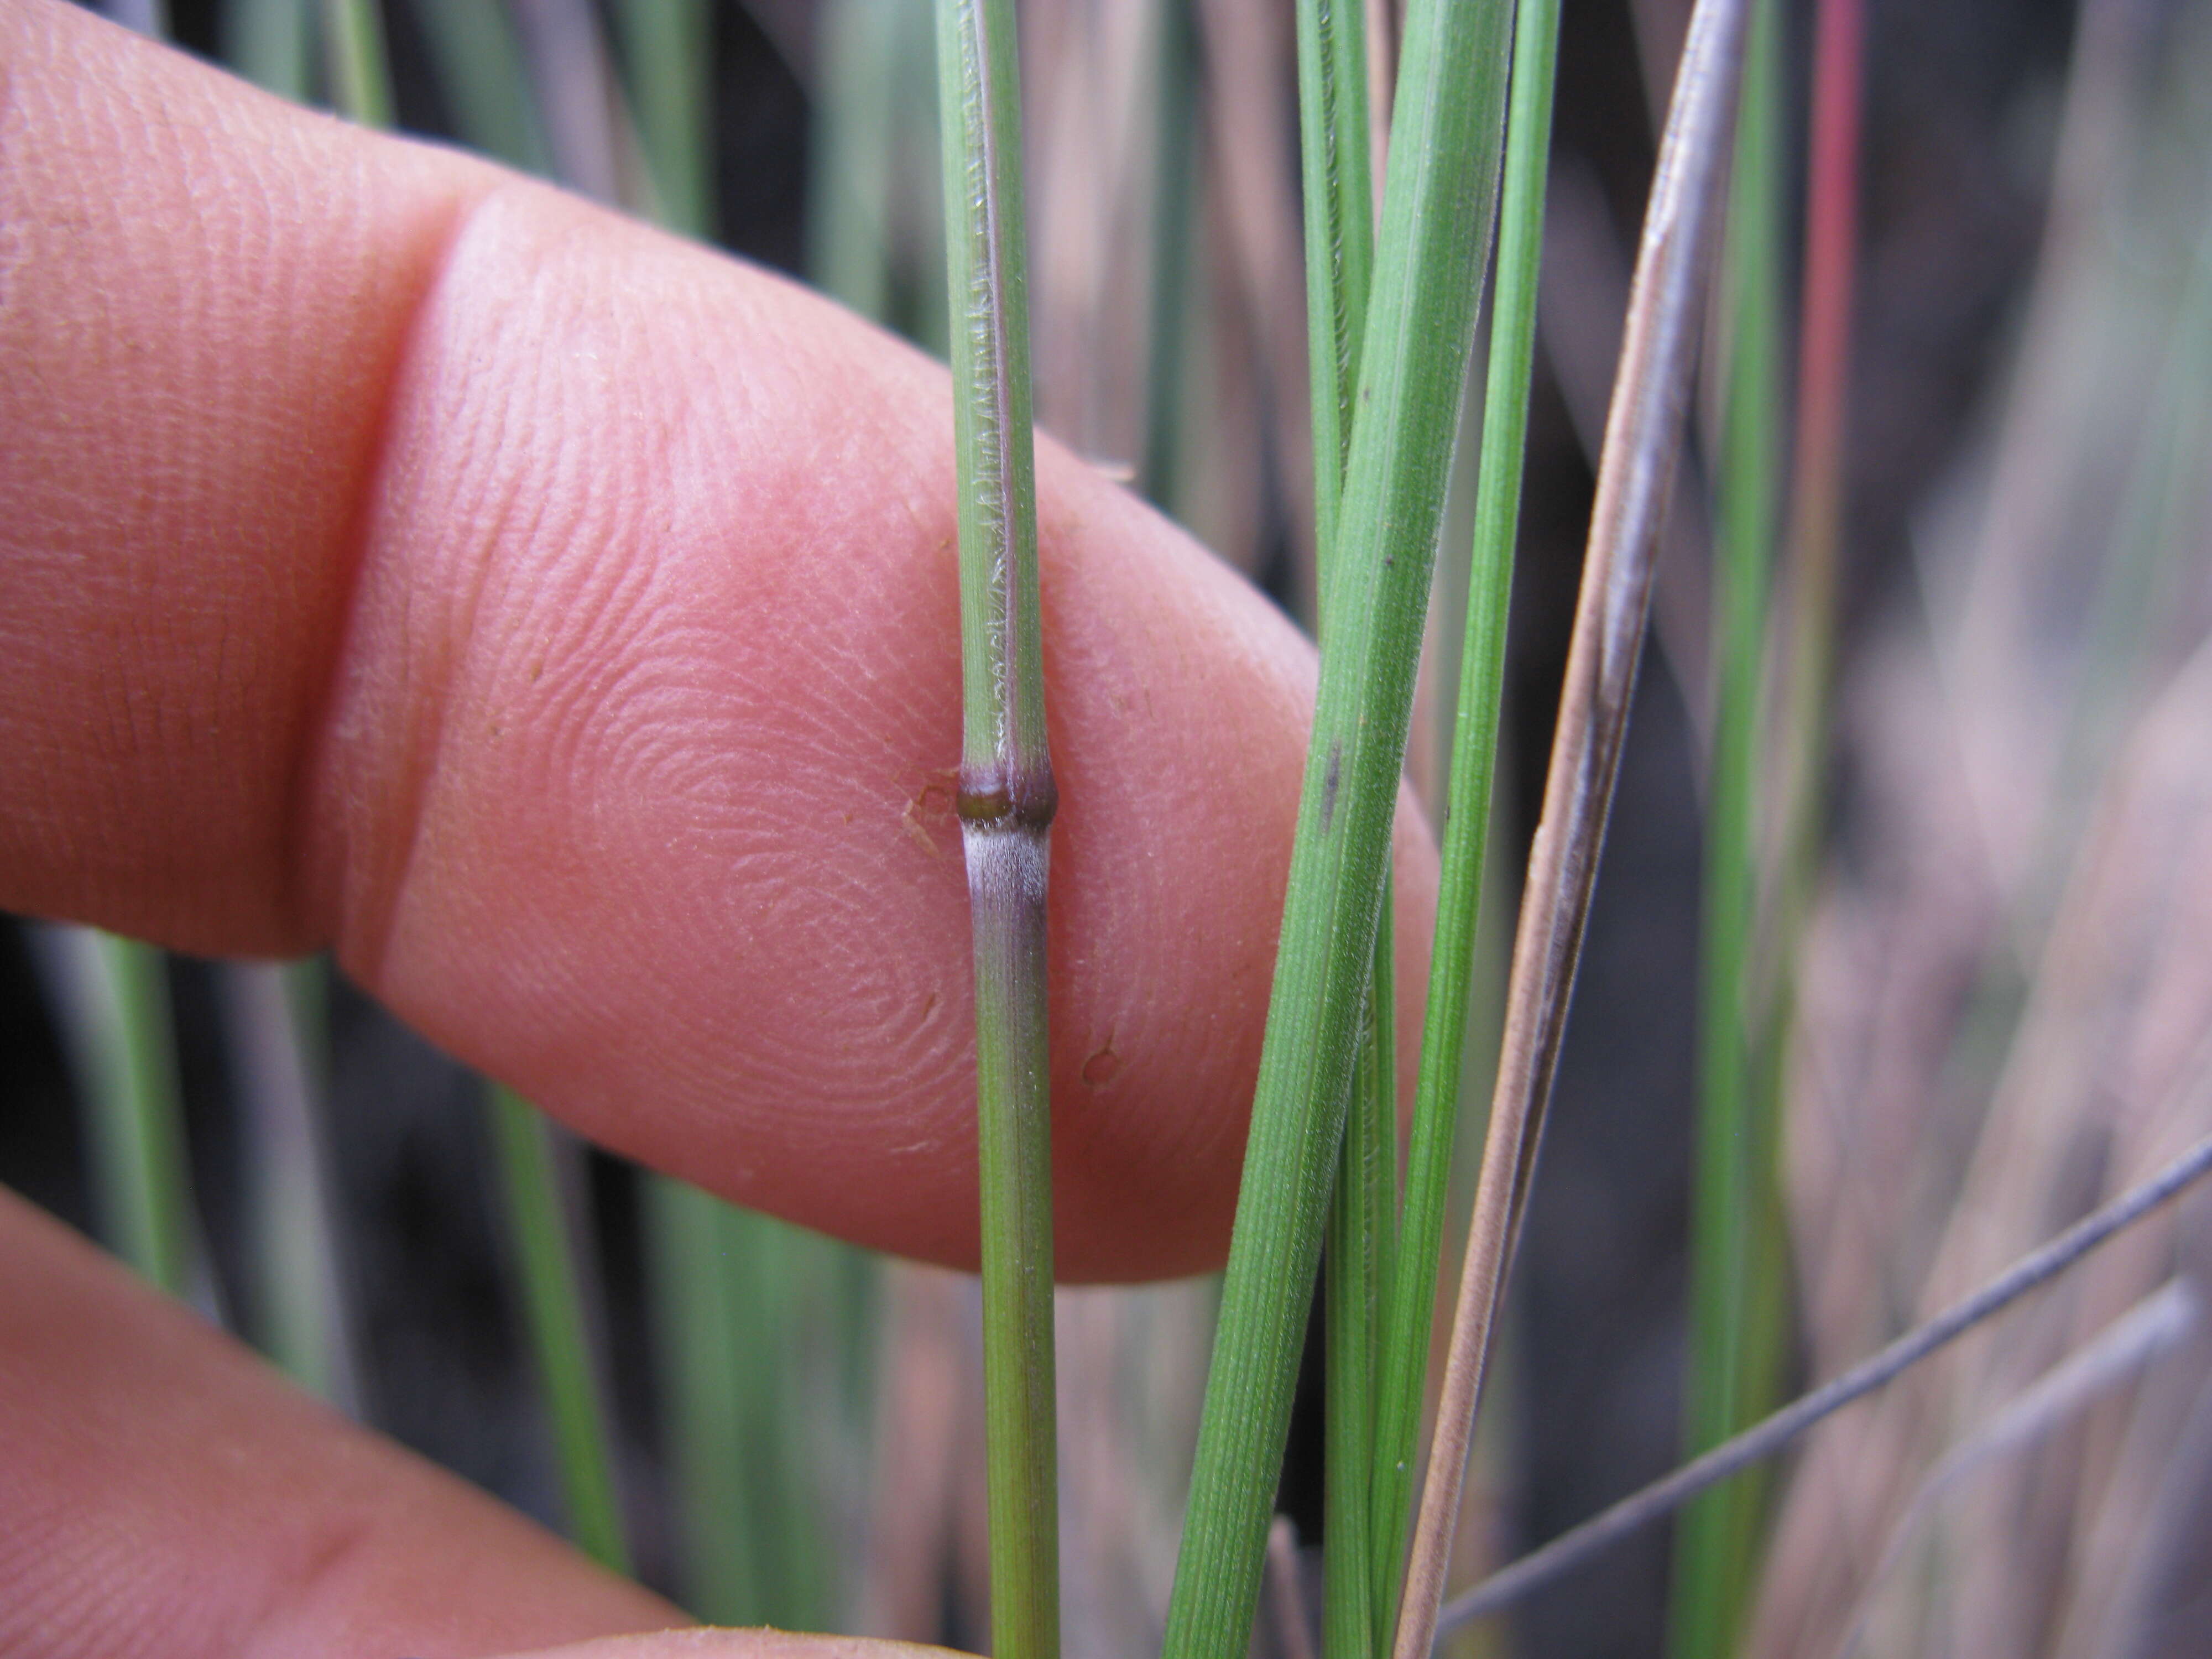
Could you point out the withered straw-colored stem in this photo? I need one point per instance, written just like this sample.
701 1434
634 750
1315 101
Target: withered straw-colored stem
1571 1549
1006 802
1643 436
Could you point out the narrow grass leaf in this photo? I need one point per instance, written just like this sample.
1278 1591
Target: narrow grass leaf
271 43
1735 1161
540 1233
276 1016
851 164
707 1390
1643 434
551 1263
1439 203
1824 343
478 62
668 50
1469 789
1339 238
112 998
1338 250
353 57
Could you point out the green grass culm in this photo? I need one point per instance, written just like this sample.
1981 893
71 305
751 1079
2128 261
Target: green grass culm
1006 803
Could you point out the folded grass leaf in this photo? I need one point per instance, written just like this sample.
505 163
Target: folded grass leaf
1438 201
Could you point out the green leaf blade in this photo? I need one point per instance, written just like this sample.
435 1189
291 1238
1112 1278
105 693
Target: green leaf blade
1437 206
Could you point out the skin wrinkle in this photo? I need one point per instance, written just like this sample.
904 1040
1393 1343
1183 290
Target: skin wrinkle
332 1552
305 786
461 673
426 677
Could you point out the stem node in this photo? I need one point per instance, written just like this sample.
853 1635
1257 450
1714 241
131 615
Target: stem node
1019 794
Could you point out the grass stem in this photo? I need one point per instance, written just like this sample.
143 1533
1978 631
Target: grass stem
353 47
706 1390
478 61
1006 802
1339 237
271 44
668 49
1339 249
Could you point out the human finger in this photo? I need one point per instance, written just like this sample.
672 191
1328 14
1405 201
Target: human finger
560 621
164 1493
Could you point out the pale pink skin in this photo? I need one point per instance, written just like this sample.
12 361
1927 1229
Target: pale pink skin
559 621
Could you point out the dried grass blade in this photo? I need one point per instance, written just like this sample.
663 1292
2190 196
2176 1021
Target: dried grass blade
2123 1350
274 1018
1174 198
